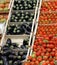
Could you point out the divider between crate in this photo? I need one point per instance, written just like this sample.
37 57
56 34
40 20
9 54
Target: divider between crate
36 26
32 28
47 24
10 4
48 11
23 10
18 23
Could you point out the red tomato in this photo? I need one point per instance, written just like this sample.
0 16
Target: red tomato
36 43
39 59
42 54
52 63
52 53
44 63
36 63
55 54
38 53
35 50
48 54
32 63
29 58
34 59
48 49
34 46
51 46
56 58
44 45
45 57
26 63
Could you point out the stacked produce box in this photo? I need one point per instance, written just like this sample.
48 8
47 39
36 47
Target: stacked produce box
15 41
44 49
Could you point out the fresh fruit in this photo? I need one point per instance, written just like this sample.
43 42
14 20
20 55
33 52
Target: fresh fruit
1 9
22 17
49 6
9 41
6 9
2 1
24 5
7 1
3 17
2 5
19 29
46 30
46 51
45 43
10 56
48 18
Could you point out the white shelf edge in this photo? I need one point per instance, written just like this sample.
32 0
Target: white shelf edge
36 25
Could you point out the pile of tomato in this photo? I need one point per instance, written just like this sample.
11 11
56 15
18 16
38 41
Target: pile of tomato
48 18
46 30
49 6
44 51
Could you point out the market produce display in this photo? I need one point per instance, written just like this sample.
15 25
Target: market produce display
47 30
18 27
3 17
49 6
10 57
22 16
24 4
23 19
48 18
44 49
4 6
24 28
